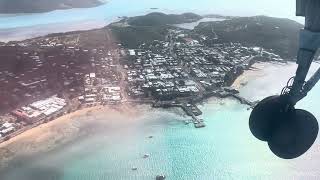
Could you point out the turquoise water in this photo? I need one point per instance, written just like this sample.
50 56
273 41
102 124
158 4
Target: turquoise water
225 149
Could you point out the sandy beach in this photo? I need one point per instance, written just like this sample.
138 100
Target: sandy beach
265 70
68 127
65 129
104 142
254 84
266 79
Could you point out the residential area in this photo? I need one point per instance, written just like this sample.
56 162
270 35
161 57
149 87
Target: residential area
52 76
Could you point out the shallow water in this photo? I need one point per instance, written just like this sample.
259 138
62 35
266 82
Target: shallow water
116 8
225 149
16 27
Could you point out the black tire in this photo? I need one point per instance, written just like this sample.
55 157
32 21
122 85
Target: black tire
294 135
264 115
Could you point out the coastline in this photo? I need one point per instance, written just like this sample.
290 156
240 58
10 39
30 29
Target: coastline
260 80
65 129
132 126
62 119
257 71
28 32
254 72
63 6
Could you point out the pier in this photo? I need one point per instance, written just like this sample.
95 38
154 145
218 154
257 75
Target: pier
243 100
225 94
190 109
193 111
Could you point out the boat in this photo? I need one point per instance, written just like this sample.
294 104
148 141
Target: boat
160 177
134 169
146 156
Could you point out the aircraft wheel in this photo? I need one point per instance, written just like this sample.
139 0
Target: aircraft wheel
264 115
294 135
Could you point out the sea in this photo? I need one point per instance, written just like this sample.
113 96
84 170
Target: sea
22 26
224 149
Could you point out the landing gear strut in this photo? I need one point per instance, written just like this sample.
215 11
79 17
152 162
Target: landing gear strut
290 132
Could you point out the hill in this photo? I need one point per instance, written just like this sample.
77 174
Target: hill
157 19
133 36
134 31
37 6
278 34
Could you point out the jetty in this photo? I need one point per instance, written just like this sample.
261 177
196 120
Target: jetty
193 111
190 109
232 94
244 100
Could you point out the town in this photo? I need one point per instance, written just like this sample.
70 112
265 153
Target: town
44 78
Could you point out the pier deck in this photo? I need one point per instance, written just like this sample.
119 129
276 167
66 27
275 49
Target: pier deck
190 109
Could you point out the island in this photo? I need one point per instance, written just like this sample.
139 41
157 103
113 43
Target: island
141 60
31 6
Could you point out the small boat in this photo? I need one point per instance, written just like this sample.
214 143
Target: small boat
146 156
160 177
150 137
134 169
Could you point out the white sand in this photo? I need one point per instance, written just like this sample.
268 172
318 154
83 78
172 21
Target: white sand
266 79
64 129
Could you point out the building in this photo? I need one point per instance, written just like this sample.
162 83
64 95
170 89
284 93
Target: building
6 129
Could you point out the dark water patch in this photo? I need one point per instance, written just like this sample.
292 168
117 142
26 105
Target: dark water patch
22 169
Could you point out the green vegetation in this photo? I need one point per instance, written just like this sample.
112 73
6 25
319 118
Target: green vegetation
158 19
276 34
133 36
144 29
280 35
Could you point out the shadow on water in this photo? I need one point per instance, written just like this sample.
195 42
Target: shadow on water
27 168
49 165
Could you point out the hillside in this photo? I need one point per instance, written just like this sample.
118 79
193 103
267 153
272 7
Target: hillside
157 19
133 36
36 6
134 31
278 34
